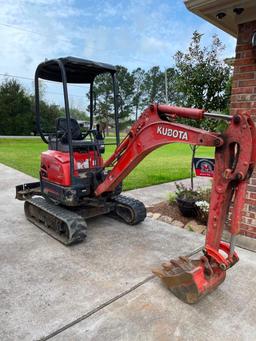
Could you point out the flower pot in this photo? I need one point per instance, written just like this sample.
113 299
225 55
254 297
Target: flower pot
187 207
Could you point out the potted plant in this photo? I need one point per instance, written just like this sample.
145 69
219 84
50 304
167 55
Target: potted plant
186 199
202 211
203 205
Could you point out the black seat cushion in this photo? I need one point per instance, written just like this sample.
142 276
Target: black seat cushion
60 142
84 145
62 129
78 146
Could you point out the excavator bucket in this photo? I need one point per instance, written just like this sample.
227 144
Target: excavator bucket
190 280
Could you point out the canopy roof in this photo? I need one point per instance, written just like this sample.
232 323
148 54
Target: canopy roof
77 70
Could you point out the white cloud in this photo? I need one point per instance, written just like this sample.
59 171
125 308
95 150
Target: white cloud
132 33
30 36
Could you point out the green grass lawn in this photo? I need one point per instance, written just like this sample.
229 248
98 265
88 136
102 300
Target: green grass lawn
168 163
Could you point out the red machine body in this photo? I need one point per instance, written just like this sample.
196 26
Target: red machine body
55 165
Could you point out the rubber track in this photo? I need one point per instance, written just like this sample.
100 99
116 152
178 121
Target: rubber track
50 221
137 207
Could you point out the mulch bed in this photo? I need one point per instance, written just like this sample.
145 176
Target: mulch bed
171 210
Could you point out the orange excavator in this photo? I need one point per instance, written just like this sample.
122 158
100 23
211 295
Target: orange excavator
76 184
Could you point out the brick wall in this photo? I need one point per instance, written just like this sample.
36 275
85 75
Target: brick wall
244 99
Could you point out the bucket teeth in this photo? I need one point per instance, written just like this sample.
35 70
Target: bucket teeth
188 279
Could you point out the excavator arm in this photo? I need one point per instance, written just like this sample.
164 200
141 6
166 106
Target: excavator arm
235 157
153 129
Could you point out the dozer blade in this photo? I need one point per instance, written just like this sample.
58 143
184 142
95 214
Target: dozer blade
63 225
190 280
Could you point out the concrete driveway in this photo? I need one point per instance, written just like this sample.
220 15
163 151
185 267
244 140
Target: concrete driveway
102 289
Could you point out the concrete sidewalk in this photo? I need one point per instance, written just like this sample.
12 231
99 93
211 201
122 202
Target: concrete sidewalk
154 194
102 289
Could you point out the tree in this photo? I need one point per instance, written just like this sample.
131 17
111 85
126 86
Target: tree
78 114
104 103
153 86
126 91
138 83
49 114
171 86
202 81
103 100
202 78
16 116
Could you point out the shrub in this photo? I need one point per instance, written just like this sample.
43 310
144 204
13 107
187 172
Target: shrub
172 198
201 197
182 192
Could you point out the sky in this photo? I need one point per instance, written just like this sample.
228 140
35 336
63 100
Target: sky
131 33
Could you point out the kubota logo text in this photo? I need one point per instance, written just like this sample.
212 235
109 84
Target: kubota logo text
177 134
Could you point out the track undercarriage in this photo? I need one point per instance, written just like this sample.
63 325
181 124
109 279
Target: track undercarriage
68 224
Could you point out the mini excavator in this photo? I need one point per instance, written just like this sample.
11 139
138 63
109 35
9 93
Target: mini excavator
76 184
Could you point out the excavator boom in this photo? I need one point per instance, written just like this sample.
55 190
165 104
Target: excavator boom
153 129
235 157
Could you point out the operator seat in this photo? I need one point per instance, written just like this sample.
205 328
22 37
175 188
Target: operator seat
60 140
62 129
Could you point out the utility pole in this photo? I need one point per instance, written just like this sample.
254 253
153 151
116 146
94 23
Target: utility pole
166 85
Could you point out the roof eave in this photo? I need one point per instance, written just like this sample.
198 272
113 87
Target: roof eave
209 10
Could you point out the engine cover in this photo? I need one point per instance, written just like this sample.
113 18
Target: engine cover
55 165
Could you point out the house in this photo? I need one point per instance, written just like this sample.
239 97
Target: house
238 18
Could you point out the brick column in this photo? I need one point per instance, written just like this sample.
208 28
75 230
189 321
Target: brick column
243 99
